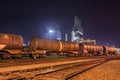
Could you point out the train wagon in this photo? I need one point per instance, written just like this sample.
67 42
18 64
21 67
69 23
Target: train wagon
10 44
108 50
90 49
42 45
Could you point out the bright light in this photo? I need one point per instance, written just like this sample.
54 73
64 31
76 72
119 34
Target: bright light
51 31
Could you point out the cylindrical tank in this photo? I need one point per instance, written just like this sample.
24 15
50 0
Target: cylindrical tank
37 43
91 48
110 49
98 48
11 41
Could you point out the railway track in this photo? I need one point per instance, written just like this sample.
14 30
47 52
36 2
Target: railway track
69 71
61 71
27 61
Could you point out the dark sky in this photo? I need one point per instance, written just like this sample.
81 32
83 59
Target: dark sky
100 19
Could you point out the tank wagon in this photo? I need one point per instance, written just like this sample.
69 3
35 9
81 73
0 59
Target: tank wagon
42 45
110 50
91 50
11 45
95 50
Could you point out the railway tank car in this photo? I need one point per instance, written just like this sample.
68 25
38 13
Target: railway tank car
110 50
10 44
49 46
90 50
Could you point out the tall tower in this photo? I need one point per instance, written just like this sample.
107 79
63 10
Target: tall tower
77 31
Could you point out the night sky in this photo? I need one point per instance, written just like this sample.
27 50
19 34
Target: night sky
100 19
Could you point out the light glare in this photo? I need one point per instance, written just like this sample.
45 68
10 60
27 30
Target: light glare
51 31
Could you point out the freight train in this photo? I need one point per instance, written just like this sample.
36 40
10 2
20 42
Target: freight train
11 46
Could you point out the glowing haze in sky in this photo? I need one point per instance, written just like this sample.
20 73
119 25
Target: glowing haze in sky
100 19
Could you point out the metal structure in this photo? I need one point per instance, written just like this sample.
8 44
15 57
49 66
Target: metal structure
88 41
77 32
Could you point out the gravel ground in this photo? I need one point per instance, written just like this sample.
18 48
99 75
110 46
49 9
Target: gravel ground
106 71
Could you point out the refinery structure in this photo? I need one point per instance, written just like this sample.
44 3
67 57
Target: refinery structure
77 31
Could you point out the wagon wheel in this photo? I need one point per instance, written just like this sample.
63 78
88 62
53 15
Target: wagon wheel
33 56
5 55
